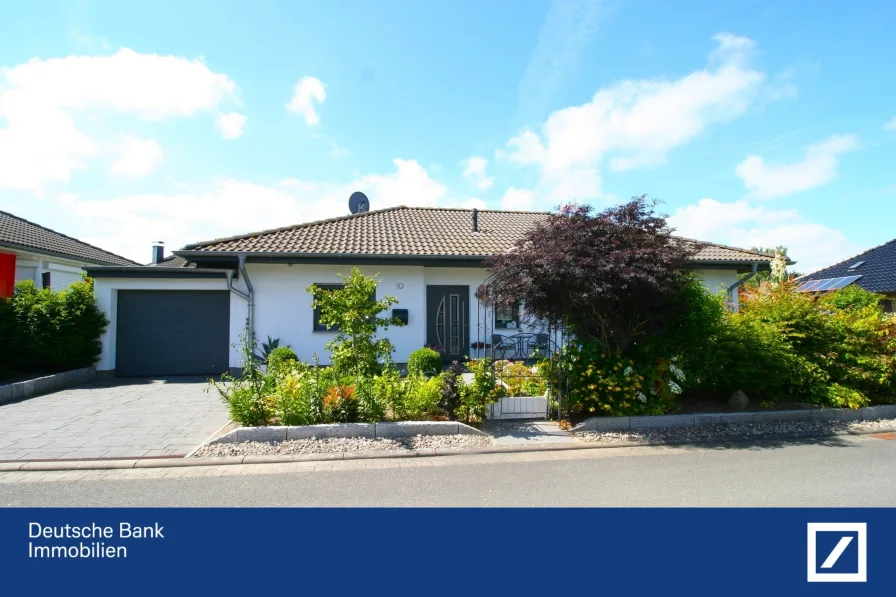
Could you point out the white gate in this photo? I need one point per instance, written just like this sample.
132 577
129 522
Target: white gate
521 407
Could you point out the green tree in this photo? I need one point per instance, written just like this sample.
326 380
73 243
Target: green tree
357 314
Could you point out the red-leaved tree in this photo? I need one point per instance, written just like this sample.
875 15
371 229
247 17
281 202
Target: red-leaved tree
609 276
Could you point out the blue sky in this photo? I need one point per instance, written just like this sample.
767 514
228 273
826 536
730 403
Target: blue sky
756 123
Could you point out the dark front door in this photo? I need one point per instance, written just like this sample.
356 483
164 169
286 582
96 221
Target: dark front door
448 320
172 332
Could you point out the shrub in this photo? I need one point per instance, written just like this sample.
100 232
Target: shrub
291 402
421 398
598 380
837 350
249 397
340 404
280 357
521 380
372 407
852 297
55 331
450 392
424 360
479 394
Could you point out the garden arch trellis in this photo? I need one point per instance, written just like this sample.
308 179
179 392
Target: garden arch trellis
550 339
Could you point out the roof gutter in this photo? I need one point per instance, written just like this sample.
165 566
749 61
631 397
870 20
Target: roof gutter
733 288
192 255
284 256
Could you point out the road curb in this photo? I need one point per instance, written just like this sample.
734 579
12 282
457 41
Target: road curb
61 465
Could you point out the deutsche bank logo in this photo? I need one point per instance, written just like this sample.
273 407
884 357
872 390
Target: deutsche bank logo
837 551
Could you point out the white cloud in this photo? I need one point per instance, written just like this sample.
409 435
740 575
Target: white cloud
40 99
127 225
518 199
474 203
308 92
474 170
231 125
891 126
635 123
819 167
137 157
813 246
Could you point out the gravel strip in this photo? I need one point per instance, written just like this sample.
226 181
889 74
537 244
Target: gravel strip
340 444
736 432
420 442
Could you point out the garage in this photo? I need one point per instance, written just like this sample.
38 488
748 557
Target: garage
172 332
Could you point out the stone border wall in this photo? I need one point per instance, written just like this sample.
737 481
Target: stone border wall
30 388
869 413
368 430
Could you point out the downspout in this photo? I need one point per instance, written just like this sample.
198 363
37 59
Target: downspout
249 297
733 288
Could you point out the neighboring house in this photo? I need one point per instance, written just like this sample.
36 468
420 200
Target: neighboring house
186 315
874 270
29 251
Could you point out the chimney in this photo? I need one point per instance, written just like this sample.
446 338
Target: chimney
158 252
475 220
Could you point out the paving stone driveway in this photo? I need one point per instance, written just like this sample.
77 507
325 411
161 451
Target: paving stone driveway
112 418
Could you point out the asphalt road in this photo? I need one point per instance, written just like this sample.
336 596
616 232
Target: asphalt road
842 471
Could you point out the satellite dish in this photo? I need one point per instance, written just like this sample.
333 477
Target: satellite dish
358 203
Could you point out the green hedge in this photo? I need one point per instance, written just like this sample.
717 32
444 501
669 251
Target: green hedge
42 331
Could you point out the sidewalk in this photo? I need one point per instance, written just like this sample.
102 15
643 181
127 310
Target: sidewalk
509 433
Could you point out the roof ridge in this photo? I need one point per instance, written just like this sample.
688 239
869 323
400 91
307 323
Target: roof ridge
11 215
215 241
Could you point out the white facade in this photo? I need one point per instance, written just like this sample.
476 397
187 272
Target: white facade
32 266
283 305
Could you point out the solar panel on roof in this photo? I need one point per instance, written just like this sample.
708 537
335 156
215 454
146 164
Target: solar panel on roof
844 282
827 284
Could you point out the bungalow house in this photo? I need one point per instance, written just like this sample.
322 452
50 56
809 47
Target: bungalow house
184 315
29 251
874 270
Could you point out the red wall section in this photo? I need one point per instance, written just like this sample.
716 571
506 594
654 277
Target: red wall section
7 274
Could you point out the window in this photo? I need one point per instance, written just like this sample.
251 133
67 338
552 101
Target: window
45 280
507 317
318 326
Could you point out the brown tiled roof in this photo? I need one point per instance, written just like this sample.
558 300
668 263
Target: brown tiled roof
19 233
414 231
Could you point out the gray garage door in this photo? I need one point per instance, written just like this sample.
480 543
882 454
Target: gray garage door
172 332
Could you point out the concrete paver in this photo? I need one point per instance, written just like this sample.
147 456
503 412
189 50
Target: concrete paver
510 432
112 418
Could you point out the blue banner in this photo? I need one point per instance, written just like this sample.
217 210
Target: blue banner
447 551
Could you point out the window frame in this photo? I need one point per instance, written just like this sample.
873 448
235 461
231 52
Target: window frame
515 312
316 325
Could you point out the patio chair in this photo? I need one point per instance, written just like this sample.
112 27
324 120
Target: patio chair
540 343
502 346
